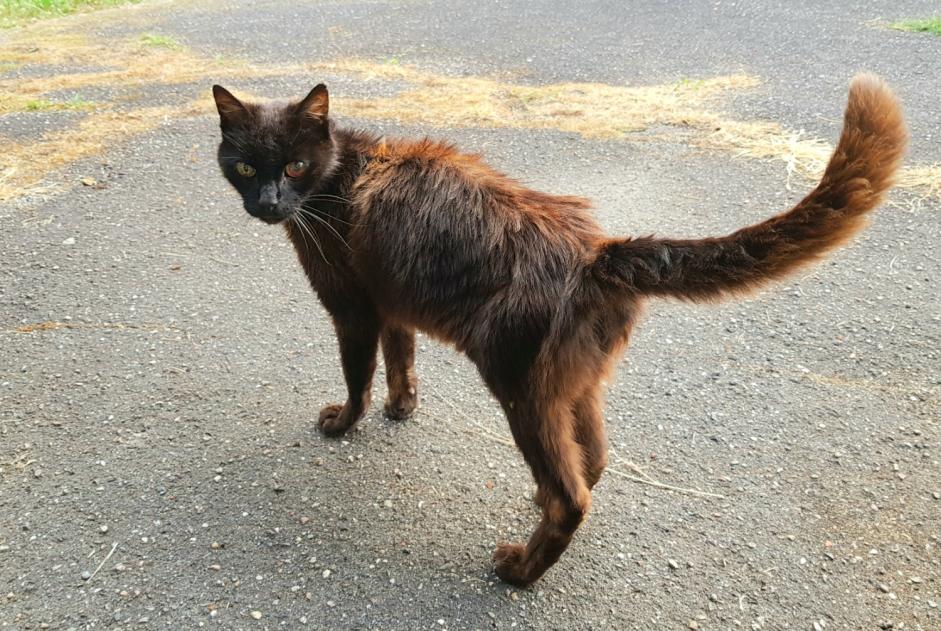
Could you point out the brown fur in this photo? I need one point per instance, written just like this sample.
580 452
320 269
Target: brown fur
416 235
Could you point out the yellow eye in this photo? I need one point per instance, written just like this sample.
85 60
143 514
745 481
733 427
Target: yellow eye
245 170
295 169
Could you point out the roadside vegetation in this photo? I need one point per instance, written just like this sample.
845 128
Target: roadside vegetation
160 41
928 25
15 12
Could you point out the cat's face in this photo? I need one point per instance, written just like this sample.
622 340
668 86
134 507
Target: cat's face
275 155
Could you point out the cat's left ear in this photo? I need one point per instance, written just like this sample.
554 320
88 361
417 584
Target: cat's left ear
316 104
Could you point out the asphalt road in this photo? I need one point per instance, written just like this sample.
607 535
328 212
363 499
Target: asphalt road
163 359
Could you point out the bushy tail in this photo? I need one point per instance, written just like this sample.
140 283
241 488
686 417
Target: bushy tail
857 177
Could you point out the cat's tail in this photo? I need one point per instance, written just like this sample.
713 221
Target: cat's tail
856 179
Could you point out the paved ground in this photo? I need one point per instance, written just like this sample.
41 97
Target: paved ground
157 432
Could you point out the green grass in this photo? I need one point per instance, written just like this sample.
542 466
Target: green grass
927 25
42 105
160 41
15 12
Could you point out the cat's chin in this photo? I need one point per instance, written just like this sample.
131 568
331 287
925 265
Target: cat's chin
273 220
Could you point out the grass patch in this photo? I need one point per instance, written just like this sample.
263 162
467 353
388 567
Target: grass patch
15 12
11 102
160 41
42 105
928 25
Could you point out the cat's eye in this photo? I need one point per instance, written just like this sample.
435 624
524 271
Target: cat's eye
245 170
295 169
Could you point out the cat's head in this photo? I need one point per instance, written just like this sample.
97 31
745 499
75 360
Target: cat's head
275 155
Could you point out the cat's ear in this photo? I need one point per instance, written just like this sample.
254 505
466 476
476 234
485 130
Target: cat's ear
231 110
316 104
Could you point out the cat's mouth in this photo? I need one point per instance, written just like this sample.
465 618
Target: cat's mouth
271 217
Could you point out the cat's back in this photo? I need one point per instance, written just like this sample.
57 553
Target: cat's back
436 227
435 184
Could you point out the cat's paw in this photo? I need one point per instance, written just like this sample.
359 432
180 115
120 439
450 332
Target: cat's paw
335 419
402 405
509 564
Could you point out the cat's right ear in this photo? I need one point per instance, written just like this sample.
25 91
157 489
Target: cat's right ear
231 110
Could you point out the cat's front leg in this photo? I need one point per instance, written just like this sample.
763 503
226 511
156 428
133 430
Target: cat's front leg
359 342
398 348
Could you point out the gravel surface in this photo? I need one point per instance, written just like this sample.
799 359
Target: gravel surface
160 466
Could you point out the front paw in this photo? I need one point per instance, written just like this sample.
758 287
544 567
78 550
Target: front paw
336 419
401 405
509 564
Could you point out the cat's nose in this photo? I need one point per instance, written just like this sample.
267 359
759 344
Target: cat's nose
268 197
267 207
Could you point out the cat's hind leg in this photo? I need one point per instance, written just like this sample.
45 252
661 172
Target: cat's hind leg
590 433
398 349
546 434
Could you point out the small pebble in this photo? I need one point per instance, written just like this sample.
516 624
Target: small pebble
883 588
673 564
256 615
86 575
387 503
102 529
326 573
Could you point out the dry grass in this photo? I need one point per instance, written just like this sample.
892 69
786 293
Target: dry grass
685 111
127 64
591 109
24 165
54 325
926 177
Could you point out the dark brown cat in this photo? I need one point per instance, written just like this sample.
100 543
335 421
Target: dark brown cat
398 235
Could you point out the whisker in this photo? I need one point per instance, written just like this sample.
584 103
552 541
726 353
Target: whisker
328 196
334 217
302 225
313 235
327 225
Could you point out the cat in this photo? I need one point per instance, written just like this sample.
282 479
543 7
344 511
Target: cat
402 235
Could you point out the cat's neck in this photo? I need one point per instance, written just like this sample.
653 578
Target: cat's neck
352 150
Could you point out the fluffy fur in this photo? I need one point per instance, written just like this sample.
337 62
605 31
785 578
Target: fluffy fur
399 235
